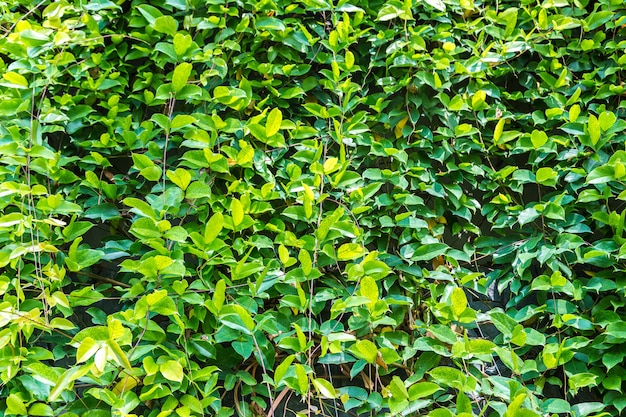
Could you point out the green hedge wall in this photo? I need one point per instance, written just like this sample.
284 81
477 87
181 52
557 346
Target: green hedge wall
264 208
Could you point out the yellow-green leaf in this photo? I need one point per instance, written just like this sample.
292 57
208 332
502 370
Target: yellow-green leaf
213 227
283 254
182 42
236 209
274 120
181 120
241 313
538 138
16 80
219 296
330 164
86 349
459 301
281 369
368 288
181 177
181 76
172 370
593 127
497 133
302 378
15 405
574 112
349 60
478 99
606 120
301 337
366 350
305 261
350 251
324 388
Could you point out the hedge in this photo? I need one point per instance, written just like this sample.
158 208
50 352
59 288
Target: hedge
275 208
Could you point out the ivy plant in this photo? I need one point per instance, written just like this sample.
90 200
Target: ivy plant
264 208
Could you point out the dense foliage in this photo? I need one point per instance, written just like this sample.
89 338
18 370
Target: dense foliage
262 208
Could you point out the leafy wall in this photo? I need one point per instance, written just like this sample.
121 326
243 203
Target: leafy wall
274 207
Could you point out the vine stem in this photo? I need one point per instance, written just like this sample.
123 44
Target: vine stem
170 111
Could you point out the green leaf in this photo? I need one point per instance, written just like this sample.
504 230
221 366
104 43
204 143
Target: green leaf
219 296
302 379
601 174
269 23
478 99
66 380
235 98
146 167
429 251
574 112
181 76
160 303
74 229
606 120
86 349
182 120
302 342
503 322
422 390
480 346
587 408
198 189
